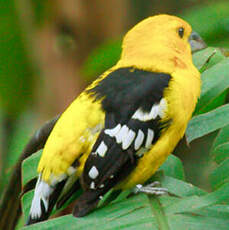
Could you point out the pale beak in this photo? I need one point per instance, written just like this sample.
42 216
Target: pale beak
196 42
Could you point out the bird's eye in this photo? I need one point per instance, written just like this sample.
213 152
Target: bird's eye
181 32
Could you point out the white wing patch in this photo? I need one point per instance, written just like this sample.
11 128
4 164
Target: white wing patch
42 193
128 139
139 139
102 149
149 139
156 110
93 173
121 135
92 185
114 131
125 136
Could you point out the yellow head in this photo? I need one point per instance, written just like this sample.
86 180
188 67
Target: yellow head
158 43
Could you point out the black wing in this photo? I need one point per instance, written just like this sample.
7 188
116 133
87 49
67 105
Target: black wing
133 103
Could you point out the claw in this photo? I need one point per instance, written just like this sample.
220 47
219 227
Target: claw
151 189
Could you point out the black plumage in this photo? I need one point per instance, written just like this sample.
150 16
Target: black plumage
127 89
123 92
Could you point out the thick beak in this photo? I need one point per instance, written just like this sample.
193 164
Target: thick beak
196 42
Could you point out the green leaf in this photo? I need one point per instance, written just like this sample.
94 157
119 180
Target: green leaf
206 123
220 211
195 222
159 213
29 172
29 167
173 167
214 103
214 82
180 188
190 204
204 59
222 137
220 147
220 175
220 153
26 203
132 213
143 212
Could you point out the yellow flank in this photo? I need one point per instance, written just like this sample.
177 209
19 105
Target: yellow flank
73 136
152 45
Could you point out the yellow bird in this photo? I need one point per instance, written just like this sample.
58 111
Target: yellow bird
121 128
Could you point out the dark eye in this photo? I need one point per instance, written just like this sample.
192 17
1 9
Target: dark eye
181 32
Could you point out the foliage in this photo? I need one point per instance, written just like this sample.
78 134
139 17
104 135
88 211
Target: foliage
187 206
211 115
20 136
16 84
16 76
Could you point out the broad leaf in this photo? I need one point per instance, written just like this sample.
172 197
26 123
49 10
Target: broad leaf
208 122
220 153
206 58
214 82
173 167
220 175
29 167
220 148
149 212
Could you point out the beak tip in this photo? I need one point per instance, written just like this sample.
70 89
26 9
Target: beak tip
196 42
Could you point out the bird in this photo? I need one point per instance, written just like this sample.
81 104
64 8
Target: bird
123 126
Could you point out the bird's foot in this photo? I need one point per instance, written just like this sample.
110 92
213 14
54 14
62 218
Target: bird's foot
151 189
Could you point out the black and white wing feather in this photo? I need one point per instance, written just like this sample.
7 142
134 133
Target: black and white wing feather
134 105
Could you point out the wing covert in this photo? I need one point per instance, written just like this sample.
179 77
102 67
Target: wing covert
134 105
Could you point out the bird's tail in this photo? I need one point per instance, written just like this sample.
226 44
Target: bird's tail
47 196
44 199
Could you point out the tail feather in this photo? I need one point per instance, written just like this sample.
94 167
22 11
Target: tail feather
45 197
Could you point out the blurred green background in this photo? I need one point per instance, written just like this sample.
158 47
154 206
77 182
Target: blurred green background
50 51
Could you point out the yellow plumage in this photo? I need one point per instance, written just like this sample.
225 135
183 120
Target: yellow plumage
72 134
153 45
